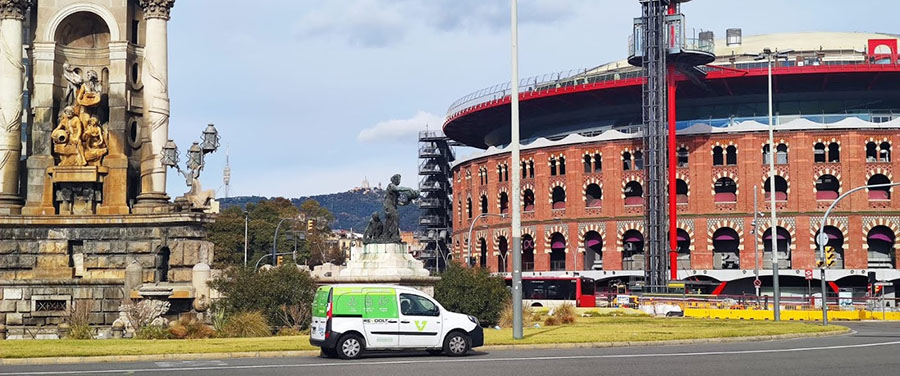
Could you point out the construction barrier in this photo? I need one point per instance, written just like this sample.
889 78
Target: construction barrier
789 315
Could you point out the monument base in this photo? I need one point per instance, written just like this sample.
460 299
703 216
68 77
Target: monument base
383 260
389 264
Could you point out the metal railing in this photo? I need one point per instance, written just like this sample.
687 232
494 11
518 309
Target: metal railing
556 265
610 72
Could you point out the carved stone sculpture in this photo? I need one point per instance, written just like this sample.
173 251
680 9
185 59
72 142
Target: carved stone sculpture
78 139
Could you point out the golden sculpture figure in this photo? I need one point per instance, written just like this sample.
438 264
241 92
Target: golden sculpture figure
79 140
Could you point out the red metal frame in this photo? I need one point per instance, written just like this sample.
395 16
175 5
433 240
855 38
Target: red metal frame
672 86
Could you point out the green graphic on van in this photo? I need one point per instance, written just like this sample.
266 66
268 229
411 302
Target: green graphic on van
421 325
320 303
365 302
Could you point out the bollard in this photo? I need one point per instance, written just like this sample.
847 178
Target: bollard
118 330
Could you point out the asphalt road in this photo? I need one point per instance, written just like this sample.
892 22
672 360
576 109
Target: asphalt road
873 350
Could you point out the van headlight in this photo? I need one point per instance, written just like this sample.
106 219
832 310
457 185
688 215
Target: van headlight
473 319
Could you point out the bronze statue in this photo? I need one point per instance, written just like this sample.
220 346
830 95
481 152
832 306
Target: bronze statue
388 231
373 230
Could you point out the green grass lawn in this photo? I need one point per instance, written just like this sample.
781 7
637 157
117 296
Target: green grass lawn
594 329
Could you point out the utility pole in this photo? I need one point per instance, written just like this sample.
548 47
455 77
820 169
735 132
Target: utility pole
755 241
516 175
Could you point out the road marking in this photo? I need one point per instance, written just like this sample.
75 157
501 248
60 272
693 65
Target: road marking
191 363
463 360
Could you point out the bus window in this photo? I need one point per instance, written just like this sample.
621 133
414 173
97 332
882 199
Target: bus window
587 286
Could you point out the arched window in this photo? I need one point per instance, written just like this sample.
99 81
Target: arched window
482 259
593 196
781 187
827 188
765 154
726 191
527 253
634 194
504 203
882 254
626 161
531 169
484 204
781 154
633 250
524 170
783 242
593 251
834 152
871 152
558 198
726 250
528 201
836 242
731 155
819 153
500 173
881 193
562 165
638 160
683 156
553 169
503 252
469 207
681 191
588 166
884 152
557 251
718 156
598 162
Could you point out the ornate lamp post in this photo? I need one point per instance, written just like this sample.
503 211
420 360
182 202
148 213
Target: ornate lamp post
169 157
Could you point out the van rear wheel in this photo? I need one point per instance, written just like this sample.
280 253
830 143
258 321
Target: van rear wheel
350 346
457 344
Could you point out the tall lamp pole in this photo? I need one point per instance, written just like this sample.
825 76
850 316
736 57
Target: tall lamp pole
246 220
768 55
514 161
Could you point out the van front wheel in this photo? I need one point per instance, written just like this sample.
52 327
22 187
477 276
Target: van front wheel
457 344
350 346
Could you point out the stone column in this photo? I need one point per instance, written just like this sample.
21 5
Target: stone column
155 75
12 13
116 182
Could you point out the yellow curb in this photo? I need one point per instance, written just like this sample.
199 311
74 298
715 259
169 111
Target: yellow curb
285 354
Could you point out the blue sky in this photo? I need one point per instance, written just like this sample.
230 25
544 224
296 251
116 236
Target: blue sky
312 96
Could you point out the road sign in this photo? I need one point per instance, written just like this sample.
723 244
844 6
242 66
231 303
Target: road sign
757 283
808 273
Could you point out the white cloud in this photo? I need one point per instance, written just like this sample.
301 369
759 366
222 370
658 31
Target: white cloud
380 23
400 130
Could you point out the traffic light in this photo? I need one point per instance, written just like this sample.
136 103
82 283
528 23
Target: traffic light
830 256
310 225
279 260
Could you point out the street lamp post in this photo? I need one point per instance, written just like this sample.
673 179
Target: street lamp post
768 55
516 225
471 227
246 220
275 238
822 239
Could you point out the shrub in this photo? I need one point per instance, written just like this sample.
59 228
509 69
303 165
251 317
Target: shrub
551 321
152 332
288 332
247 324
565 313
141 315
506 316
267 291
472 291
78 316
190 328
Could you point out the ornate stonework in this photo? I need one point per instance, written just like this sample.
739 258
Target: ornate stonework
157 8
14 9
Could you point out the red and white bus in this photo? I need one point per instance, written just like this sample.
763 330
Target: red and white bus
554 291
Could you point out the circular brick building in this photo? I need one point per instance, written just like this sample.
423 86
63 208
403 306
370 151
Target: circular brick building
837 105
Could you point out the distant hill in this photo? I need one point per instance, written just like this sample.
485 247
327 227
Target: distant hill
351 209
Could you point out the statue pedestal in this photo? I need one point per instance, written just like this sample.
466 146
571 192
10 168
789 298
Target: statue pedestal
389 264
383 260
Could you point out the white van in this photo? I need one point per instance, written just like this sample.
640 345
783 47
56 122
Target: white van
350 319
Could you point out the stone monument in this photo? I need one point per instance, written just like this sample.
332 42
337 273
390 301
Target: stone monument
85 217
384 258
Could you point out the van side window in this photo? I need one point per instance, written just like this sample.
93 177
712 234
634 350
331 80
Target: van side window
415 305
